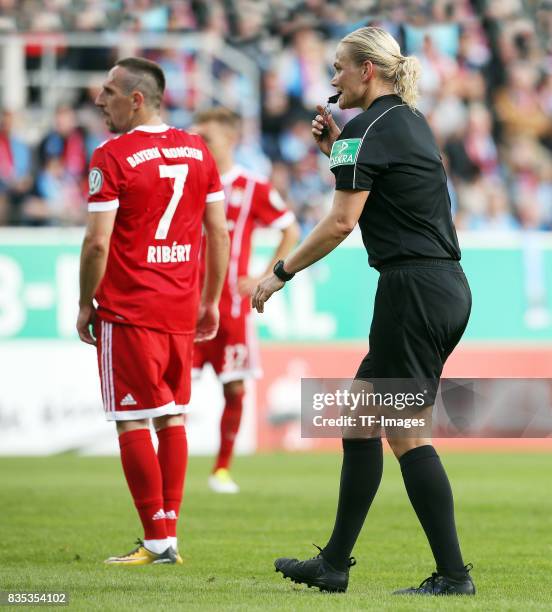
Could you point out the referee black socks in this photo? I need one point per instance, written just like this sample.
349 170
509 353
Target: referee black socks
360 478
429 491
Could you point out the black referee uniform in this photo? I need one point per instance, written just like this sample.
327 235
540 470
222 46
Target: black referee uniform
423 299
421 309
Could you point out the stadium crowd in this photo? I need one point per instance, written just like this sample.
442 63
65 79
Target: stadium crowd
486 89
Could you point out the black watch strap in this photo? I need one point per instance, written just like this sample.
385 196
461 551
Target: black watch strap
280 272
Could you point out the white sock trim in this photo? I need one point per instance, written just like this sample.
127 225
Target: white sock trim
157 546
173 541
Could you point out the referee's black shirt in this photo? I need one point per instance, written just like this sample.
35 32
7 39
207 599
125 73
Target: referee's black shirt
389 150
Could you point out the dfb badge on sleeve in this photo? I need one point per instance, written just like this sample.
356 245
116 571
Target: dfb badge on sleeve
95 181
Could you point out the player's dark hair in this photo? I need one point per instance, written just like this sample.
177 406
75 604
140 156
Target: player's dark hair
150 80
219 114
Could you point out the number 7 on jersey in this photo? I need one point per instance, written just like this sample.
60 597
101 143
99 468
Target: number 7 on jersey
178 172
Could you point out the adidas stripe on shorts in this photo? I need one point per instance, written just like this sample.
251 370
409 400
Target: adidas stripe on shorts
144 373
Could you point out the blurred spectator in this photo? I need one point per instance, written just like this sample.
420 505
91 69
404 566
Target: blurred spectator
530 182
8 15
152 16
180 68
479 142
437 69
57 198
296 141
448 116
247 31
15 169
497 216
519 107
486 87
182 17
304 69
276 109
100 58
65 141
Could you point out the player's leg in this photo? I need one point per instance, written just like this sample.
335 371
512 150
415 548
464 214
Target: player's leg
172 454
220 480
361 473
129 362
171 430
236 359
143 476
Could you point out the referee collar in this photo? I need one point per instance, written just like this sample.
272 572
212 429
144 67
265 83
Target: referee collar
385 97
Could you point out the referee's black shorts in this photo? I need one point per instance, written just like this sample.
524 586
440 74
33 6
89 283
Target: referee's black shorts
421 310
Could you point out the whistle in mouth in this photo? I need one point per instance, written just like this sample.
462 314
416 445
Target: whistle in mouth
331 100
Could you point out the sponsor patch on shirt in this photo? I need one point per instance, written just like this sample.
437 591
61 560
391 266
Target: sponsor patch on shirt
95 181
344 152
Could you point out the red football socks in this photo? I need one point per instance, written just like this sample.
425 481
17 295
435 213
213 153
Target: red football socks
144 479
173 459
229 427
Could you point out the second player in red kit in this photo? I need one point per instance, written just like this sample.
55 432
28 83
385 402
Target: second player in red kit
151 190
250 202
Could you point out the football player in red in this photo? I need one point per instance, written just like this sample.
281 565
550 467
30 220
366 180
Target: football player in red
250 202
150 191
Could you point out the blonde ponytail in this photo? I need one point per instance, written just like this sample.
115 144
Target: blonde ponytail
406 80
383 50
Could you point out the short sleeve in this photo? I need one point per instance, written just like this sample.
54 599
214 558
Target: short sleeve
103 182
215 191
356 159
269 208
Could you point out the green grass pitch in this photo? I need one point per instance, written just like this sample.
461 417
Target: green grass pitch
61 516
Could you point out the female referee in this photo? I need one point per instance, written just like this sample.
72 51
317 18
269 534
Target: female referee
391 181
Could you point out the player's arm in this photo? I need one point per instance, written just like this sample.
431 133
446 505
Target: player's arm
217 252
95 249
288 239
324 238
290 236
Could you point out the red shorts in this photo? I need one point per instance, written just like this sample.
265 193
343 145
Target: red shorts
234 352
144 373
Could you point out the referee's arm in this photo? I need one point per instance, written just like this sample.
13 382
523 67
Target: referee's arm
329 231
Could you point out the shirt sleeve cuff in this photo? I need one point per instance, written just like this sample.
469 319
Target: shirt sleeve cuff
349 186
284 221
216 196
103 206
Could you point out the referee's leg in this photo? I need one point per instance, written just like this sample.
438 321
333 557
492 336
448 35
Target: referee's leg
360 478
361 473
430 493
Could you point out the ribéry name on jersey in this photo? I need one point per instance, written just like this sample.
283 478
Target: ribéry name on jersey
169 254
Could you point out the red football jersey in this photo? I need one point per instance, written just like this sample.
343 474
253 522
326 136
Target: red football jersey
160 179
250 202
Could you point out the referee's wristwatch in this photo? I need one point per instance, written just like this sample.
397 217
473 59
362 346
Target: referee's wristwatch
280 272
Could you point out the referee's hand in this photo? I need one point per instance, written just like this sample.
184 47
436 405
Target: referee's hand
324 130
264 290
